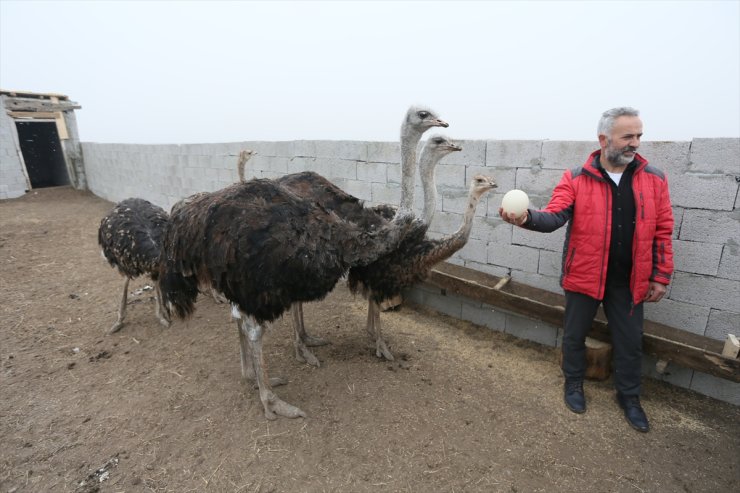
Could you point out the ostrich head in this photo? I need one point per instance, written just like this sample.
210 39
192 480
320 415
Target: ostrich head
481 184
437 147
419 119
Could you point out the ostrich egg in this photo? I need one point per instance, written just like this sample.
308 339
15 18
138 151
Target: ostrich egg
515 201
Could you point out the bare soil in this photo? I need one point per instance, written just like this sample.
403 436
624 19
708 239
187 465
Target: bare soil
462 408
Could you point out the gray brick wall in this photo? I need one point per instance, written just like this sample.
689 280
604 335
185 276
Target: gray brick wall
704 179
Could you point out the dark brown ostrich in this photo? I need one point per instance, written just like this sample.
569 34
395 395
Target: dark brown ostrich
264 248
311 186
130 236
410 263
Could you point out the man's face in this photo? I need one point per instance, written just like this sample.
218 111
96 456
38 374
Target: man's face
621 145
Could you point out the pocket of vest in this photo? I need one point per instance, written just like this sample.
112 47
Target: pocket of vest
570 260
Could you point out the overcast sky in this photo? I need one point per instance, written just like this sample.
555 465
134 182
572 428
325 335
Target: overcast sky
181 72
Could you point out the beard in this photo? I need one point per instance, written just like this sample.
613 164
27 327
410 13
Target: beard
619 157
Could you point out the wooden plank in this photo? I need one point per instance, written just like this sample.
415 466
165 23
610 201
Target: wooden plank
732 347
665 343
43 115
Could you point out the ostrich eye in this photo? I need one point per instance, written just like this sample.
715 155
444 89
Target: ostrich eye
423 114
439 140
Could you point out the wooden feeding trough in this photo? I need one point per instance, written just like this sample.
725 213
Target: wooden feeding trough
667 344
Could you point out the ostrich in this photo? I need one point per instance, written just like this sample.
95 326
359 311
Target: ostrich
311 186
264 248
436 148
411 263
130 237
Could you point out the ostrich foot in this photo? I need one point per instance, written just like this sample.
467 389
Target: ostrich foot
275 407
164 321
116 327
312 341
382 351
304 355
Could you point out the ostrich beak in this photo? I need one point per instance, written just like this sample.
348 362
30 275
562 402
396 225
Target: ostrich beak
440 123
454 147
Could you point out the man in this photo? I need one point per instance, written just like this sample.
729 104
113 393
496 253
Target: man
617 252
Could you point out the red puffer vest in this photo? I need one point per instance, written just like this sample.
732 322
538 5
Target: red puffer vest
583 198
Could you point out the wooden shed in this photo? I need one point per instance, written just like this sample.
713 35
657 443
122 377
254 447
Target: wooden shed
39 142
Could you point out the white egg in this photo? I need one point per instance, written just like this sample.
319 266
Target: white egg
515 201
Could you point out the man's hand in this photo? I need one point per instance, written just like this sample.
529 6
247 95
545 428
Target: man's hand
511 218
655 292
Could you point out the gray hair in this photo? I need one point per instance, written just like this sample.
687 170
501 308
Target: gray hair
609 117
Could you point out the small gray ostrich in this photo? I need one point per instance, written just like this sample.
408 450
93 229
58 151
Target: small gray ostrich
410 263
265 248
416 121
130 237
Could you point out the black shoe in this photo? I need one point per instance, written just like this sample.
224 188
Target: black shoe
573 396
633 412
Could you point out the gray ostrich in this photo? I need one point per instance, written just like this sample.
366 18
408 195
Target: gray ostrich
410 263
265 248
416 121
130 237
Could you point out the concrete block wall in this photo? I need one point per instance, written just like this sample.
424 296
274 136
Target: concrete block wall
12 180
704 179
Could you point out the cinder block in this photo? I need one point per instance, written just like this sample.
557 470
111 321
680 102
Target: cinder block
298 164
547 241
729 265
338 168
677 220
681 315
720 155
448 304
721 323
675 375
485 315
532 330
473 153
697 257
538 181
713 292
356 188
513 153
566 154
445 222
387 193
393 173
384 152
703 191
547 283
372 172
474 250
513 256
342 149
452 176
670 157
550 263
710 227
717 388
491 229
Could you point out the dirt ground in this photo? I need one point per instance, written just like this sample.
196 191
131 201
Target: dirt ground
462 408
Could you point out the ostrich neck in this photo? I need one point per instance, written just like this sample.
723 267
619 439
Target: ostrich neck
240 168
450 244
430 192
409 141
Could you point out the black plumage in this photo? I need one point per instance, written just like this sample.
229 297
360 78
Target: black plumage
265 248
130 237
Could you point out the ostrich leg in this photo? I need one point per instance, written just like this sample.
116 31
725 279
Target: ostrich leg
373 322
273 405
302 339
245 353
160 310
121 309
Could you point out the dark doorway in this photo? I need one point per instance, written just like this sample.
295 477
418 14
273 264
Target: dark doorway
42 153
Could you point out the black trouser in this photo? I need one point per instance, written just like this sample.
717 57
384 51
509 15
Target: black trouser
625 325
